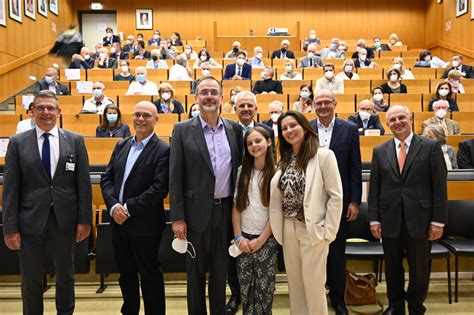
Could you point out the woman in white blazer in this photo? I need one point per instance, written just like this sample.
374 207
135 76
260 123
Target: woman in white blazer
305 211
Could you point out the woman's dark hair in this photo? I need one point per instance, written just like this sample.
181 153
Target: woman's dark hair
309 147
190 114
450 95
423 54
389 72
105 123
206 52
177 35
242 199
310 88
377 88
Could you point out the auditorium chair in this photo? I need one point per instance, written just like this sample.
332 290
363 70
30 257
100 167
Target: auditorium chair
356 86
465 120
157 75
228 84
8 124
84 124
424 73
346 103
165 125
388 54
465 102
126 103
293 86
426 100
62 75
100 149
179 87
399 48
369 74
264 99
100 75
419 118
417 86
116 87
412 53
412 100
312 73
71 104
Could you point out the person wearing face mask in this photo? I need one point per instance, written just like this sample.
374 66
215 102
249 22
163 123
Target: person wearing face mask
155 62
378 46
82 60
449 126
205 72
366 118
141 53
180 71
284 51
205 56
130 46
155 40
110 37
125 74
104 61
194 111
142 86
166 104
437 133
362 61
176 39
399 64
235 49
454 78
331 52
256 61
312 39
112 126
275 109
189 53
443 92
457 64
347 72
304 104
290 73
229 106
97 103
267 85
380 105
50 82
393 85
240 70
311 60
117 53
393 40
329 81
361 44
426 60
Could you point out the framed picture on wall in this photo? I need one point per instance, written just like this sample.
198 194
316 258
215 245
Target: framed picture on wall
43 7
472 11
144 19
3 14
30 9
53 6
15 10
461 7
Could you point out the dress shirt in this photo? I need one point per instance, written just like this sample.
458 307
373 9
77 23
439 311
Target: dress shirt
325 133
52 87
256 63
160 65
53 146
335 85
246 128
148 88
221 157
178 72
91 105
25 125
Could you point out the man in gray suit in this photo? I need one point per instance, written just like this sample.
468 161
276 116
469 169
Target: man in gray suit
311 60
47 198
205 154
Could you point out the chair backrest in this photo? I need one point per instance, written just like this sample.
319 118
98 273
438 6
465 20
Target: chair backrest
100 149
360 227
293 86
357 86
100 75
8 124
460 218
465 102
465 120
84 125
370 73
413 101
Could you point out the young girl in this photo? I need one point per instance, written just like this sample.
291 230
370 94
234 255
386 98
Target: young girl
250 219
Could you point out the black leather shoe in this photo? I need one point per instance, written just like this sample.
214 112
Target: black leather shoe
233 305
340 309
394 311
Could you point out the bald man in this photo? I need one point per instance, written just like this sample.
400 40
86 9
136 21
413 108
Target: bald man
97 103
134 187
366 118
50 82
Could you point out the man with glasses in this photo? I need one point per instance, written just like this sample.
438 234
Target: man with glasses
330 81
47 201
240 70
134 187
342 138
205 154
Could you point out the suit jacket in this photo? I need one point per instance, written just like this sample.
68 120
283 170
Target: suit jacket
110 64
373 123
469 72
453 127
268 122
466 154
107 42
420 191
122 56
29 193
345 145
192 179
357 62
86 64
230 72
276 54
146 54
322 199
317 62
370 54
61 89
146 186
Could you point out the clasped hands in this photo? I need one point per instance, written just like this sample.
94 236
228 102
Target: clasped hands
249 246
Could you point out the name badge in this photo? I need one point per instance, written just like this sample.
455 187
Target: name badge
70 167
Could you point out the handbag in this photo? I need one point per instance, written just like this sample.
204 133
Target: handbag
360 290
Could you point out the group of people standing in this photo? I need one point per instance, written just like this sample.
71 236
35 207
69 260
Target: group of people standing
224 186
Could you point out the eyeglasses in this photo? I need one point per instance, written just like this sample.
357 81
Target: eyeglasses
321 103
206 92
43 108
144 115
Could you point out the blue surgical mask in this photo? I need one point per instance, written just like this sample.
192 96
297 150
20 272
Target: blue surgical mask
195 113
289 68
263 75
305 94
48 79
111 118
141 78
97 93
333 46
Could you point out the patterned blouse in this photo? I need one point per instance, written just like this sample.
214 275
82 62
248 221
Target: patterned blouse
292 185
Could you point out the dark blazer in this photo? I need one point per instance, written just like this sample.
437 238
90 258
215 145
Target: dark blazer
387 90
373 123
466 154
370 53
146 186
192 178
420 191
267 85
268 122
111 64
366 62
146 54
127 48
453 105
107 42
28 192
86 64
122 56
464 68
61 89
276 54
230 71
345 145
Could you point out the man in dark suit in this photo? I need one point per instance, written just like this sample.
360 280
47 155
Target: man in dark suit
82 60
407 208
366 118
361 44
457 64
267 85
50 82
117 53
47 199
342 138
141 53
275 109
205 154
466 154
104 61
283 52
110 38
240 70
134 187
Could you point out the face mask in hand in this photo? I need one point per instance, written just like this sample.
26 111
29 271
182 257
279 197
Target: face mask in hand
181 246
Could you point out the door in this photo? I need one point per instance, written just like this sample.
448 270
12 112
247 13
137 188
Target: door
93 26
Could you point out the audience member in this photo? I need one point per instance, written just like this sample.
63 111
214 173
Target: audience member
142 86
290 73
311 60
378 46
366 118
104 61
256 61
393 40
457 64
229 107
361 44
267 85
95 55
189 52
205 56
67 44
155 62
125 75
362 61
176 39
130 46
393 85
329 81
449 126
425 60
117 53
28 123
140 37
311 39
166 50
112 126
275 109
331 52
166 104
235 49
98 101
466 154
110 38
194 111
305 211
141 53
348 71
180 70
444 93
82 60
304 104
437 133
380 104
50 82
454 78
283 52
399 64
205 72
155 40
240 70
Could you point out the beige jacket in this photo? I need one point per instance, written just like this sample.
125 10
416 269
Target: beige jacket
322 199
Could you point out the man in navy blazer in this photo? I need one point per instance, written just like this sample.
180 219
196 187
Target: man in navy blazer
240 70
366 119
342 138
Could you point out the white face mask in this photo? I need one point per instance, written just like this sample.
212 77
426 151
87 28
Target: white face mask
455 63
275 117
312 36
378 97
363 57
234 250
259 55
396 66
87 57
364 115
181 246
441 113
187 51
394 78
166 96
348 68
329 74
240 62
443 92
203 58
156 36
110 35
428 58
206 72
310 54
124 68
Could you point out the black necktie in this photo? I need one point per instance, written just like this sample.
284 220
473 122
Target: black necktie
46 154
310 62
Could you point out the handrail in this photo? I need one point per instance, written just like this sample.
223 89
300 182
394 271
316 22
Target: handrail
443 44
25 59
